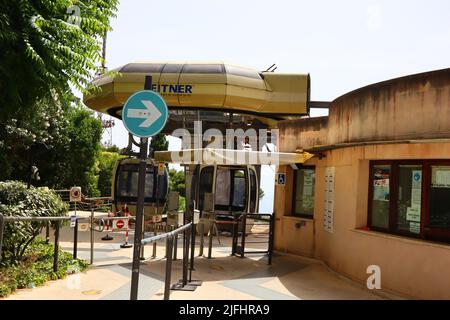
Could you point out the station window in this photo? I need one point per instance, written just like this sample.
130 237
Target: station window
304 183
411 198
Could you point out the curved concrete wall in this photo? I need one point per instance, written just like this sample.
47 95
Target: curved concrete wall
411 107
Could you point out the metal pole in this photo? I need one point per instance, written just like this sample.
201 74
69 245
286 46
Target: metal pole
56 251
169 248
47 232
211 231
75 239
143 235
92 235
191 267
140 209
271 237
244 227
202 238
185 257
175 247
157 211
139 220
2 225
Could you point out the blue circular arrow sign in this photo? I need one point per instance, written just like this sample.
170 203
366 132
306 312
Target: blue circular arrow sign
145 113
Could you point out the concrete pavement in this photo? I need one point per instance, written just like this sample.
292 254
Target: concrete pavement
224 277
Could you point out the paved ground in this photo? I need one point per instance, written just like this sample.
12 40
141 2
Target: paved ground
224 276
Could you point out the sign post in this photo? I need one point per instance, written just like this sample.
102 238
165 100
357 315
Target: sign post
144 115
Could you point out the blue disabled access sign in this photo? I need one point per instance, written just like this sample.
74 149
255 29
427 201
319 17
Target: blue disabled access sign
145 113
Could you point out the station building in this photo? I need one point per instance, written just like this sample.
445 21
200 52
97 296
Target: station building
377 191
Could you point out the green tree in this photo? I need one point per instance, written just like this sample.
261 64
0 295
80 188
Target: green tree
17 200
177 182
106 162
75 163
159 143
43 52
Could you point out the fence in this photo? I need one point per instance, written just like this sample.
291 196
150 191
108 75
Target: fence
239 223
5 219
240 231
188 230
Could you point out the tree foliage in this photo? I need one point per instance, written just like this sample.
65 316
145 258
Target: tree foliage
17 200
177 182
159 143
107 161
45 50
72 136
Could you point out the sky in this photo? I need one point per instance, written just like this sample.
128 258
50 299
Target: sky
343 44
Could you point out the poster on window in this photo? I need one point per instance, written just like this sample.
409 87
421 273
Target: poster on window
441 177
413 214
414 227
308 183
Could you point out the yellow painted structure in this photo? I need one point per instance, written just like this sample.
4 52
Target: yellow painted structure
206 86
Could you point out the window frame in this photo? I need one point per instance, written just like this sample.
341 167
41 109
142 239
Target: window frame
426 232
294 193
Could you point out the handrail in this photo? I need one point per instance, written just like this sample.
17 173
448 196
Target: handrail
170 234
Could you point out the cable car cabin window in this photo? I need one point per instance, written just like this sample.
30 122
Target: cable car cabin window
305 180
223 182
239 190
243 72
410 198
205 185
127 184
203 68
142 68
253 191
172 68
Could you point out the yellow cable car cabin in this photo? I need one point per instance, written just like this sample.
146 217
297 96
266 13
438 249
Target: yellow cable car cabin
268 96
124 189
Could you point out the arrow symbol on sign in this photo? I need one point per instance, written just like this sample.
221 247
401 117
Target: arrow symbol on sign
150 114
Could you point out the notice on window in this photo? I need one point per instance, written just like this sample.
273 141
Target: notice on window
441 177
308 184
414 227
381 190
416 189
413 214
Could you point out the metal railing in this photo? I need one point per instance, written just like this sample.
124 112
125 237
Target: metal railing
188 230
6 219
239 241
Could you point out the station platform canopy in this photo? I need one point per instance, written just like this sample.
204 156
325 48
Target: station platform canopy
206 86
230 157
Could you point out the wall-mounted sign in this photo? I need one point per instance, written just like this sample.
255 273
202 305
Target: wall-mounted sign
280 179
328 214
